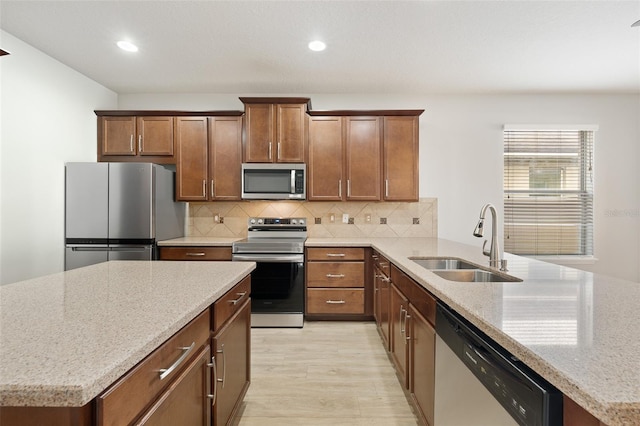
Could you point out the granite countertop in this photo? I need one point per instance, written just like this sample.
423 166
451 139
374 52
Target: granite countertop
199 241
576 329
64 338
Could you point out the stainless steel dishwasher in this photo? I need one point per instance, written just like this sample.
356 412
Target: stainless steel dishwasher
479 383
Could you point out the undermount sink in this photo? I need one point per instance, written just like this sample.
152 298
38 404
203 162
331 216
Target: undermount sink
443 263
474 276
453 269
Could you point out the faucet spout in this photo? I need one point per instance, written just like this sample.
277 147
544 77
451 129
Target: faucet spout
494 253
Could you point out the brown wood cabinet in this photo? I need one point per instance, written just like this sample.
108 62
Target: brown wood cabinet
367 157
231 346
275 130
325 167
335 283
195 253
185 402
400 158
398 317
131 138
381 291
209 157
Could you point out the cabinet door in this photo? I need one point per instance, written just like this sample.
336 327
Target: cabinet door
400 158
231 355
290 137
422 364
117 135
185 402
191 167
398 325
325 166
155 135
225 158
363 158
259 133
384 295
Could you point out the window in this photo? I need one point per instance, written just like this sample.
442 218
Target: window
548 191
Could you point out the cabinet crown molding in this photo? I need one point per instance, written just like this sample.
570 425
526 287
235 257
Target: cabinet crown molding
168 113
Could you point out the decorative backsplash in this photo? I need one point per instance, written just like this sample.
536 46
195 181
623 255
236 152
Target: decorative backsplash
367 219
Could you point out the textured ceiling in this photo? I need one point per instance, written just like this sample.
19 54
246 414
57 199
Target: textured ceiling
508 46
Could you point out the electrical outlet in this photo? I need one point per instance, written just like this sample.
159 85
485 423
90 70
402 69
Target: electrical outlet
367 218
345 217
332 218
216 218
383 221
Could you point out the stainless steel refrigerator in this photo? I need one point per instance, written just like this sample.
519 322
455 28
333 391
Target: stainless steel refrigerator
118 211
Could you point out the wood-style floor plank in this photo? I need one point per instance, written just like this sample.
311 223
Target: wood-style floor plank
327 373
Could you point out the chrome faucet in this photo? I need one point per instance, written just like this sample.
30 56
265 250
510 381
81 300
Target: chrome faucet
494 253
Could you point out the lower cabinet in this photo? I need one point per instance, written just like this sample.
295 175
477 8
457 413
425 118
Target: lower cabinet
195 253
231 357
381 294
185 402
422 373
336 284
399 311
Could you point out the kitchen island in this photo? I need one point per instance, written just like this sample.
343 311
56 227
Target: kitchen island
66 337
574 328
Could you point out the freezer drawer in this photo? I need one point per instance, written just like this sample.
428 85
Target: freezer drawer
77 256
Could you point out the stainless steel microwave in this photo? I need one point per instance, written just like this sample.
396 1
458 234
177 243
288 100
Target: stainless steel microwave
274 181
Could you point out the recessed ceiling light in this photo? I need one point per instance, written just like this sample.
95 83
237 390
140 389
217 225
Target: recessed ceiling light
127 45
636 24
317 46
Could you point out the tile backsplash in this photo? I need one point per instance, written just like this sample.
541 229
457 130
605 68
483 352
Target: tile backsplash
366 219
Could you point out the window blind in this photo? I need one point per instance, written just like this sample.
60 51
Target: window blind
548 192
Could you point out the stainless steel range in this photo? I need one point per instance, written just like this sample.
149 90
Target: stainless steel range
277 283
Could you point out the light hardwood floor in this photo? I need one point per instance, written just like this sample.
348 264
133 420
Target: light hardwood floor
327 373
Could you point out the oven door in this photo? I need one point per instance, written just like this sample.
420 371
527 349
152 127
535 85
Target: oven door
277 289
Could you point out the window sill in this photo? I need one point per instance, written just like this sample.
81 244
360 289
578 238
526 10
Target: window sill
568 260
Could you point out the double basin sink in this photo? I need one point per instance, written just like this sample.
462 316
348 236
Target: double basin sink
454 269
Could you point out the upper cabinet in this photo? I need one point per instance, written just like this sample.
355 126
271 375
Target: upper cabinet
209 158
275 130
400 154
363 155
133 138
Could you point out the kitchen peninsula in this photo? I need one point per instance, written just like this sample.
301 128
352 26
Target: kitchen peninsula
67 337
570 326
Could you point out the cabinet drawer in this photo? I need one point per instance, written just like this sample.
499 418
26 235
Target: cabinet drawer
335 274
335 301
195 253
335 253
423 301
127 398
230 303
382 263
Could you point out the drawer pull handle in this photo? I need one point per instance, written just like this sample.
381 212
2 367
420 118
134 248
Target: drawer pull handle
336 302
235 301
335 275
196 254
335 254
164 372
212 396
224 365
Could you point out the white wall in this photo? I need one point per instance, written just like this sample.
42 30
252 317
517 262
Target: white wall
46 119
461 155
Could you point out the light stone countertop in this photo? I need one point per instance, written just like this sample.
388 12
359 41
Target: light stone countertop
199 241
64 338
576 329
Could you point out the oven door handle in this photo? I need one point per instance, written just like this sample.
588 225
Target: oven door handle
275 258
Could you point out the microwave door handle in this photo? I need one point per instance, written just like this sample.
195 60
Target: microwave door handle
293 181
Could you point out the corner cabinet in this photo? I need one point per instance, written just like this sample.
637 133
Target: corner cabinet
135 138
363 155
275 130
209 158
